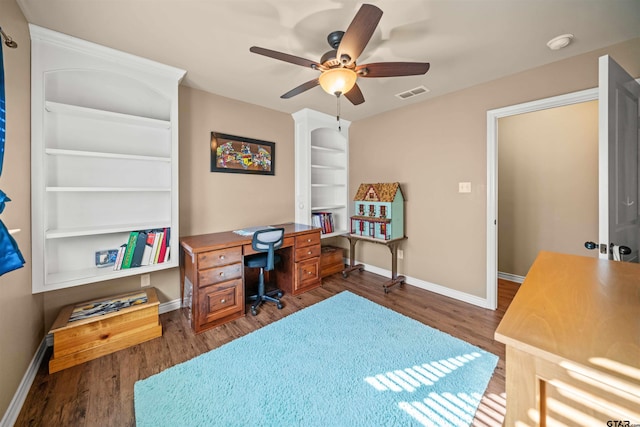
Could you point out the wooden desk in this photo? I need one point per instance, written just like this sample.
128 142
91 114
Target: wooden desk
393 247
573 343
211 265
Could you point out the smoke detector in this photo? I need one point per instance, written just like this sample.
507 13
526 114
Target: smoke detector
559 42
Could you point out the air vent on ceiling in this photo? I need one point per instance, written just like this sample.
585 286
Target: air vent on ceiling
413 92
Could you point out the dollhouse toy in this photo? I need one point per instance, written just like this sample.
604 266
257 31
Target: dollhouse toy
379 211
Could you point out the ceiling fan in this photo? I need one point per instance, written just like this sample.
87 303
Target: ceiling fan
338 68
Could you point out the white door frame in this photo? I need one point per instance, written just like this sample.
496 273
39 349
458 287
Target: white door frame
492 173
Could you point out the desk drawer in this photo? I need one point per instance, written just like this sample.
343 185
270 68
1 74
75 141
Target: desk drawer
308 239
307 252
219 274
307 275
220 301
219 257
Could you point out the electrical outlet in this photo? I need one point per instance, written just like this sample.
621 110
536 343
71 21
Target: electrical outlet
145 280
400 254
464 187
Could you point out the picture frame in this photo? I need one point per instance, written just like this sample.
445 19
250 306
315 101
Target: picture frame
237 154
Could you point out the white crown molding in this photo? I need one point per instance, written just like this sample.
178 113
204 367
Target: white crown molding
103 52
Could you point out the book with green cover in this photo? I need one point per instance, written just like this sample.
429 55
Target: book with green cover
131 246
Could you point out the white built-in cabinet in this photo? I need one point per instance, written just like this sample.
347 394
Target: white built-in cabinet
104 156
322 168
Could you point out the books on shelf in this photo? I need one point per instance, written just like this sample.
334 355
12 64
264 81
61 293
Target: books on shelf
144 247
323 220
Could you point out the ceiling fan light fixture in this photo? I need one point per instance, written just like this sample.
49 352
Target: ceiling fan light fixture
337 81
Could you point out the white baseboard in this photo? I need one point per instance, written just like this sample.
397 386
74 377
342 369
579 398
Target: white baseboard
432 287
11 415
510 277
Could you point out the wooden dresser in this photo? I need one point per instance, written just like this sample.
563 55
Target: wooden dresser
573 344
212 272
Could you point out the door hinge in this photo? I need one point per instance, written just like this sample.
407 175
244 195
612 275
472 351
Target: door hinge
603 248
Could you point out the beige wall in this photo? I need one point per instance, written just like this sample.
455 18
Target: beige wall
431 146
547 184
21 320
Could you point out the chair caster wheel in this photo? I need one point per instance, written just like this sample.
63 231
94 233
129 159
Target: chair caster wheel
280 294
254 312
279 306
344 275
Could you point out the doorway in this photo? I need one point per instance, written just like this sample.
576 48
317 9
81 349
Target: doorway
492 173
547 185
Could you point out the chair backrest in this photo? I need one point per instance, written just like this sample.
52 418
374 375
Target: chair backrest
268 240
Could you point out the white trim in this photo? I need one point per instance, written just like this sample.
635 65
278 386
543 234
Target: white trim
492 173
168 306
510 277
432 287
11 415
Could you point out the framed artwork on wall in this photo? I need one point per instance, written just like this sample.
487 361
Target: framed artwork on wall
237 154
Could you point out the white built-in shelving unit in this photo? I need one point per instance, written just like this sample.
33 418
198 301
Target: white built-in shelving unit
322 168
104 156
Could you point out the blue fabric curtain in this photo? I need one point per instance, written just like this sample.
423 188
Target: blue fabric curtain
10 256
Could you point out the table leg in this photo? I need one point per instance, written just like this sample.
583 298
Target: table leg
352 258
395 279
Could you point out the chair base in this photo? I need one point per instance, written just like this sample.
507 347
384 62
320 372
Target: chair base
271 296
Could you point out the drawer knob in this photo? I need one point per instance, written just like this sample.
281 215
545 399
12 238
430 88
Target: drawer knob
309 253
221 273
308 272
222 301
221 257
309 240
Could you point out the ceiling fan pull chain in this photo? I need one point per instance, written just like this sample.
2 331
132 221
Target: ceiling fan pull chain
338 107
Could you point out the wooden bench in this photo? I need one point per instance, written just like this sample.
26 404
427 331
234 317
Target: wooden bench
85 339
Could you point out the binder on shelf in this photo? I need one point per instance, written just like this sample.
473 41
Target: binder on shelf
163 245
160 238
121 250
141 241
148 247
131 246
323 220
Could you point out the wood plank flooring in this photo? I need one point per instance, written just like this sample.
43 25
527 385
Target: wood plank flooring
100 392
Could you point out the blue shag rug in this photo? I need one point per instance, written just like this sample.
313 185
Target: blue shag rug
345 361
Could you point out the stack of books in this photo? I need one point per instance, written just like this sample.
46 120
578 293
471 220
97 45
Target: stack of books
323 220
146 247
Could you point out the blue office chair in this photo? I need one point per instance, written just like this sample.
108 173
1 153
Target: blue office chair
265 241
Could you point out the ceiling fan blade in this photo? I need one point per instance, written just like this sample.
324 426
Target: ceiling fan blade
302 88
359 33
286 57
355 95
392 69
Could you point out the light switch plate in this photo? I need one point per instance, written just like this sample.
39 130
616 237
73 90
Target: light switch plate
464 187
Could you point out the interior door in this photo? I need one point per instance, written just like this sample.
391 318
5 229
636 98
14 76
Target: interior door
619 208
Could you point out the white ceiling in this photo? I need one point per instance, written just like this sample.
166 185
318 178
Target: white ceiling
467 42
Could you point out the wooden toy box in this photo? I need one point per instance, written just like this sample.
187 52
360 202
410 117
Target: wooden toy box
81 340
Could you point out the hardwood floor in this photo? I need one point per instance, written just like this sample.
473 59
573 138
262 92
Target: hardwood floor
100 392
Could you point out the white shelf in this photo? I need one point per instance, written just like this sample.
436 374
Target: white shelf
334 234
339 168
328 185
96 154
110 229
103 189
326 208
76 110
330 150
94 274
